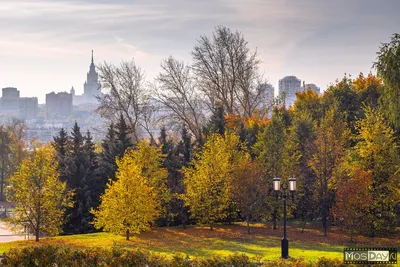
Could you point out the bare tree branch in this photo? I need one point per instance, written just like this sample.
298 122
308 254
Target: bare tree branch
175 89
228 72
125 94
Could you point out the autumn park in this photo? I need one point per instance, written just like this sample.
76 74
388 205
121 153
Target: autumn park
202 190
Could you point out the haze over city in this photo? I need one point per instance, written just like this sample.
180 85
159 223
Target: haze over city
46 45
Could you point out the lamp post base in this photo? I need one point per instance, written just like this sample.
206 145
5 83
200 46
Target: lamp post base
285 248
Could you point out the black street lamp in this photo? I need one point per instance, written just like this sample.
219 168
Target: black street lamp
291 184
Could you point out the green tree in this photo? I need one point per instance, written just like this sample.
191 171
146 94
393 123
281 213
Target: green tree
5 158
82 178
249 190
299 149
376 153
269 149
61 145
185 146
217 120
123 139
107 157
173 162
346 100
40 197
330 147
208 180
388 70
133 201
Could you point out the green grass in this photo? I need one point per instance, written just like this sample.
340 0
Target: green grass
263 243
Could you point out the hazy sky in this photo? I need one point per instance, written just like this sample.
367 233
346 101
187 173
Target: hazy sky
45 45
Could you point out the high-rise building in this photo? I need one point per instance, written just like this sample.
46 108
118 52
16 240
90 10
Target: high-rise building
10 101
288 86
28 108
58 104
12 104
313 87
10 92
267 96
91 87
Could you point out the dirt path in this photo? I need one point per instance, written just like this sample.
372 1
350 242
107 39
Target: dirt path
6 235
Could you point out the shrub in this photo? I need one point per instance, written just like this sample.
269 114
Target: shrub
46 256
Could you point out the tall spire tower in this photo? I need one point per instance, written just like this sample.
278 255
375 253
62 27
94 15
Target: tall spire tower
91 87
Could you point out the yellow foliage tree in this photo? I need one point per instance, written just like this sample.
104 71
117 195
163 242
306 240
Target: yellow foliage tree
134 200
208 181
40 197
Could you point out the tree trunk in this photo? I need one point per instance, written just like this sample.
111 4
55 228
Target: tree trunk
2 185
324 216
37 234
127 234
304 225
248 223
211 227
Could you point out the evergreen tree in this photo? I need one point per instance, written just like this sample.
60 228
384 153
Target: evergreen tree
5 159
81 178
91 186
173 162
217 121
123 140
269 149
107 157
61 145
163 141
185 146
299 149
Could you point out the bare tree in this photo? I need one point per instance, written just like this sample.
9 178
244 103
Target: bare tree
125 94
150 119
228 71
176 90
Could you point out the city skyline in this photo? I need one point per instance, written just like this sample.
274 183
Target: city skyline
46 46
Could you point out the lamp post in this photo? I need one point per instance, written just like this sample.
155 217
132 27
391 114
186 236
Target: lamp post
291 184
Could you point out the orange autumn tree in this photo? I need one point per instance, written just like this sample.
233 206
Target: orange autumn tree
308 102
234 122
246 127
353 201
368 88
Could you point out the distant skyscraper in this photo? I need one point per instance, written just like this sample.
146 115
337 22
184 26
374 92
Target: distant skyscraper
313 87
267 95
12 104
288 86
72 91
91 88
10 101
28 108
58 104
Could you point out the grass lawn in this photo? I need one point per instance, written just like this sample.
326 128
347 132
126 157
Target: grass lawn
263 243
